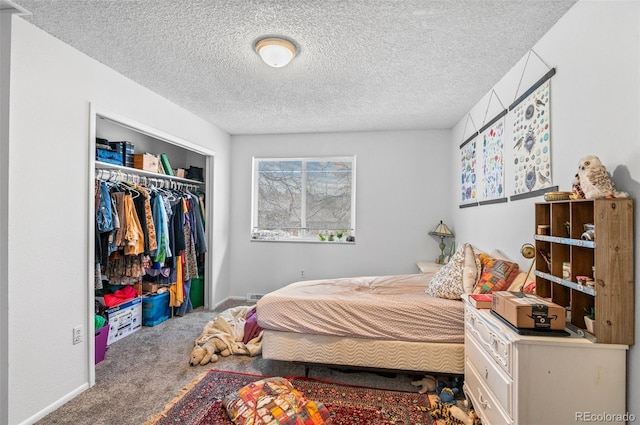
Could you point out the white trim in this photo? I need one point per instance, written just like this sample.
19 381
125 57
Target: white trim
9 6
91 252
151 132
55 406
95 113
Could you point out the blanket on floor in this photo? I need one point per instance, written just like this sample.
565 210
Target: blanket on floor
234 331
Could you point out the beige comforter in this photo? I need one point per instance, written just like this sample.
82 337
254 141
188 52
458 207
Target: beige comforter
380 307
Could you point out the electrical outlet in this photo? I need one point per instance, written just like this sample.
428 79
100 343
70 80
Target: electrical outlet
77 335
301 273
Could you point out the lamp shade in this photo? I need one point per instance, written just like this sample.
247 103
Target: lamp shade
275 52
442 231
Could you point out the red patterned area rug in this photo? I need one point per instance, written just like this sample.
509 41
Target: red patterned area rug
201 402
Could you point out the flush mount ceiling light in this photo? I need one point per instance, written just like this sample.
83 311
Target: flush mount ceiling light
275 52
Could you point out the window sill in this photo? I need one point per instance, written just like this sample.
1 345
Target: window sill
304 241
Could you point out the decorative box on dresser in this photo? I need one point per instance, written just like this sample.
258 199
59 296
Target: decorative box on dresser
517 379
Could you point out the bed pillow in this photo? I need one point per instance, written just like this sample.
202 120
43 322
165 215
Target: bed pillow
271 401
447 282
472 269
496 274
499 255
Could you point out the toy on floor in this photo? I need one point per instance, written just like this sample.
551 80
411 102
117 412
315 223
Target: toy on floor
208 351
452 414
428 384
447 390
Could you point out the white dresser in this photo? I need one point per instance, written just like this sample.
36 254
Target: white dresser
515 379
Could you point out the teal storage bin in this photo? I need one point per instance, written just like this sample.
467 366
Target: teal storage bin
155 309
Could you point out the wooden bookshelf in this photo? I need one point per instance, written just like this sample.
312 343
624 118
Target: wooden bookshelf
611 253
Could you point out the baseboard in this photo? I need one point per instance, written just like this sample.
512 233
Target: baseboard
233 297
56 405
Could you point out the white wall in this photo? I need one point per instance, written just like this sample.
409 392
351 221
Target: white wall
401 191
52 86
595 109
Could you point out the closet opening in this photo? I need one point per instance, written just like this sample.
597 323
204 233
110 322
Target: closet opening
150 229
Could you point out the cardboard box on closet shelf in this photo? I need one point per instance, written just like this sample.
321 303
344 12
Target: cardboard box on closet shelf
146 162
150 287
528 311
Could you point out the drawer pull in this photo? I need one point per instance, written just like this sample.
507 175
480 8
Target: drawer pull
494 343
484 403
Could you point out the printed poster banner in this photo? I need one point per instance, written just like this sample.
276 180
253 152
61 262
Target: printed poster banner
493 161
468 171
532 142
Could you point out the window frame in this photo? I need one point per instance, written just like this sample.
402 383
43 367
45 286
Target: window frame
303 236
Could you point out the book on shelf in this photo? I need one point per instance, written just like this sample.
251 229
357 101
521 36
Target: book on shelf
481 300
164 160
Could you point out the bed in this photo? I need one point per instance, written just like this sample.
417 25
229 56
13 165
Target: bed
411 322
382 322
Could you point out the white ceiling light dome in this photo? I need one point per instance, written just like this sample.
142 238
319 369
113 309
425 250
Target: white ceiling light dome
275 52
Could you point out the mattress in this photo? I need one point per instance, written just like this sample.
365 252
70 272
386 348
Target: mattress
367 353
377 307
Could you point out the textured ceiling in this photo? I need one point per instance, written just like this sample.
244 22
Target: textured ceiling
361 64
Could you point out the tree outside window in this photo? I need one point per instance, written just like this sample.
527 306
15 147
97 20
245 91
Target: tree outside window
304 199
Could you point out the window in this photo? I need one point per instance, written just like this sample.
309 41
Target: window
305 199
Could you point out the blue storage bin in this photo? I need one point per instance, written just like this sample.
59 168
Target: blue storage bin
155 309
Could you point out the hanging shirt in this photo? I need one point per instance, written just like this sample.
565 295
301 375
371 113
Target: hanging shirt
161 224
104 213
133 233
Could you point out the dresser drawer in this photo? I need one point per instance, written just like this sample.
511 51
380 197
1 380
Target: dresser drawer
483 401
489 338
489 373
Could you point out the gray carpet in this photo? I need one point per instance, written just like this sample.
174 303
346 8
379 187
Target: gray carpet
142 372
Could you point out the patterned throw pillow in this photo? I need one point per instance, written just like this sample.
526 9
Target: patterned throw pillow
496 274
274 401
447 282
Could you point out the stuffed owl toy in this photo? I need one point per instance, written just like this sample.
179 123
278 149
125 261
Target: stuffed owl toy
594 180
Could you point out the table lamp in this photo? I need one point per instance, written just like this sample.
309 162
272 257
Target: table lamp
442 231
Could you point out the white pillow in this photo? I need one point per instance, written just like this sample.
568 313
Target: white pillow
447 282
499 255
472 269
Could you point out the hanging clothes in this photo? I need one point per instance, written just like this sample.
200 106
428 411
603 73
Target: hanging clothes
149 233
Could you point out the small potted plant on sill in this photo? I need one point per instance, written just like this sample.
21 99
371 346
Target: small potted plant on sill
590 318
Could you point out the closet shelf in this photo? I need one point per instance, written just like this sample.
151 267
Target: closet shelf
135 171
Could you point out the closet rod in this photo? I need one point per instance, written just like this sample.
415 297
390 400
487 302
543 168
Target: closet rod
161 182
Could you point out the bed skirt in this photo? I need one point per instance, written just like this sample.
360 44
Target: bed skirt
361 352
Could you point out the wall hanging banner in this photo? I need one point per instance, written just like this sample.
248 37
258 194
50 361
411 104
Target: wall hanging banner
532 141
491 136
468 176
